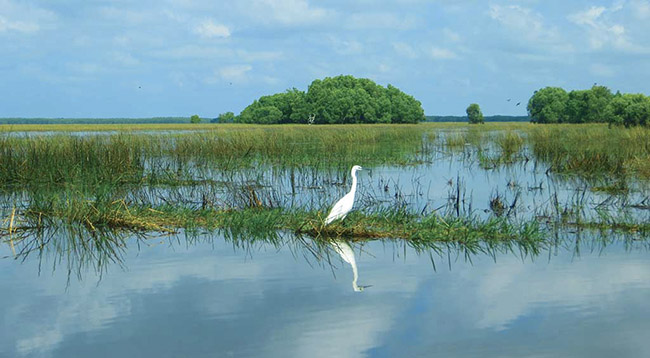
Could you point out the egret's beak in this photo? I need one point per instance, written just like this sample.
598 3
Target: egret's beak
364 287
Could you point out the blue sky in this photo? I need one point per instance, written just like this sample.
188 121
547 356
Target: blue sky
94 58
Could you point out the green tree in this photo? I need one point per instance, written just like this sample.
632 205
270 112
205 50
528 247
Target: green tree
291 105
195 119
588 106
548 105
474 114
227 117
341 99
267 115
629 110
404 108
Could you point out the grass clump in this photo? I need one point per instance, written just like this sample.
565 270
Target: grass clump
593 149
65 159
455 141
104 213
510 143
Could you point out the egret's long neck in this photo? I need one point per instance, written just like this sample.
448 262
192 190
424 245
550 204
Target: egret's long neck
356 276
354 182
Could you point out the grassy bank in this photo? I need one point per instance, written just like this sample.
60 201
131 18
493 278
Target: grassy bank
255 221
98 224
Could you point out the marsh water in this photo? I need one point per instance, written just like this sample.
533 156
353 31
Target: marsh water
213 298
209 294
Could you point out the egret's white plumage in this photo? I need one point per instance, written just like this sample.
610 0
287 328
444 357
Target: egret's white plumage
344 205
347 254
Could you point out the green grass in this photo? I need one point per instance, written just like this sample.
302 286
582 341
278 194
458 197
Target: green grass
593 149
85 179
130 158
107 214
509 142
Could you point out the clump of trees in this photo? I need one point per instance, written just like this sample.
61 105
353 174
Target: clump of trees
195 119
595 105
340 99
227 117
474 114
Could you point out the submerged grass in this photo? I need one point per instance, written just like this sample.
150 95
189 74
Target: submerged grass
105 214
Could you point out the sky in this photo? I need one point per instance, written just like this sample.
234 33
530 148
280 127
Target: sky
101 58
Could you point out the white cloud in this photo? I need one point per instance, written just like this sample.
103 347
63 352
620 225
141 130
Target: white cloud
641 8
528 28
346 46
451 35
234 72
210 29
589 16
601 31
125 59
195 51
379 20
84 68
599 69
18 26
438 53
383 68
252 56
23 18
517 18
270 80
404 49
287 12
124 15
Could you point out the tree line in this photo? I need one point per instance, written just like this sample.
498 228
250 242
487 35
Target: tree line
595 105
333 100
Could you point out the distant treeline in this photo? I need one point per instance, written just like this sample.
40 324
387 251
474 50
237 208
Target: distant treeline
94 120
340 99
497 118
595 105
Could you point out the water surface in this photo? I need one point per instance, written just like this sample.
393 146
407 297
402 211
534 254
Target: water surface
214 298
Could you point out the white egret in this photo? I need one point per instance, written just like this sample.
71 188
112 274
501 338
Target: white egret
347 254
344 205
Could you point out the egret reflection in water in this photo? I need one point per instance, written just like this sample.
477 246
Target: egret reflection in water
347 254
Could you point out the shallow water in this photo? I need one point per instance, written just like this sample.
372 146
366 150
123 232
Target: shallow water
212 298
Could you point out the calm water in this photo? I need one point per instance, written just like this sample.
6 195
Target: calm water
210 297
213 299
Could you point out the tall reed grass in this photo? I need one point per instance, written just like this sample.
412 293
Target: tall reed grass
140 158
593 149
